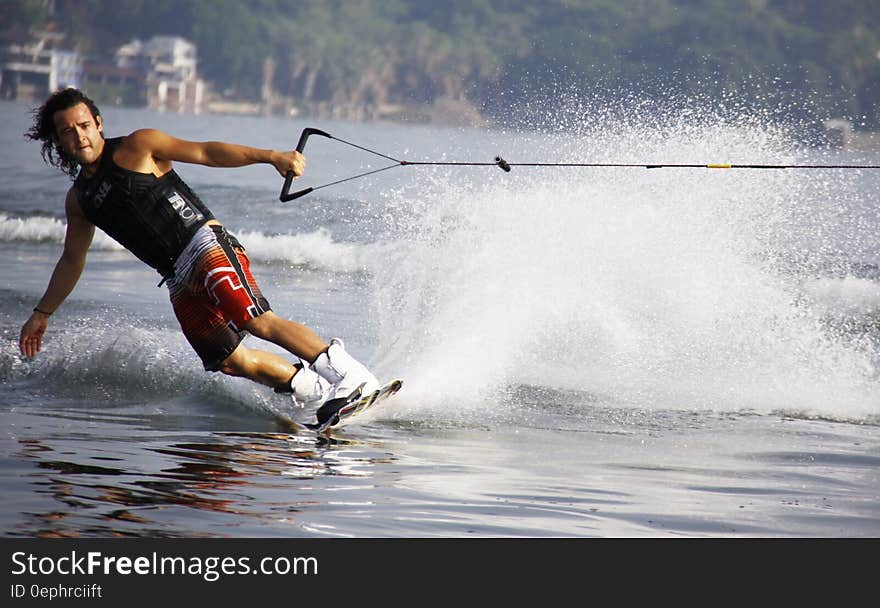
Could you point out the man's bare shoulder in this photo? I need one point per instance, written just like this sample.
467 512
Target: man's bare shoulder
143 139
143 151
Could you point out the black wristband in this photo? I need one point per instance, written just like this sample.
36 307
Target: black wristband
42 312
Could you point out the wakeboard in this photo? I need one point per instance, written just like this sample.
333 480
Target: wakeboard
353 408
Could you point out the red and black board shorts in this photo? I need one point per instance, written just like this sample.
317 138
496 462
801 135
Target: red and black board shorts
214 294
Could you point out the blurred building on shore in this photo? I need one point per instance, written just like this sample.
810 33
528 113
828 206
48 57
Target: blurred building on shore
34 65
159 73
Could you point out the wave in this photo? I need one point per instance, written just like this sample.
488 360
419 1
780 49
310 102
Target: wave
37 229
315 250
844 297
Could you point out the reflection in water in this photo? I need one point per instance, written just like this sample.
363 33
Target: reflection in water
256 475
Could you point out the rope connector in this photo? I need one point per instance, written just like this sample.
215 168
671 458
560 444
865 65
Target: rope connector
502 163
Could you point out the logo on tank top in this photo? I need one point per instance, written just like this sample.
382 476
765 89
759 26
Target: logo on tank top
101 194
187 214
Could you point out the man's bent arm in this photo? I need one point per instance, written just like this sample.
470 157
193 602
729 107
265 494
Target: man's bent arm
64 278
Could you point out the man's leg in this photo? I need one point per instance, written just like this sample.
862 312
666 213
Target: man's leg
347 377
260 366
289 335
305 387
233 297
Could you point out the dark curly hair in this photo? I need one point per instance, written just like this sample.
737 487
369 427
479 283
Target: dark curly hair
43 128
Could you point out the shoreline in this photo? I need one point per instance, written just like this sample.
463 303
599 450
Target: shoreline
838 133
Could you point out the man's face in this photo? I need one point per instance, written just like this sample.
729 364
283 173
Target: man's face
79 134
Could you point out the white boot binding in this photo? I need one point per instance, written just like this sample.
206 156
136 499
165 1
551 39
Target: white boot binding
306 388
349 379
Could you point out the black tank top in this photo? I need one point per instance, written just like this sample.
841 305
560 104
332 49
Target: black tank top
153 217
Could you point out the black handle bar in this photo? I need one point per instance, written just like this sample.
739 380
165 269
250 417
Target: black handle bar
288 179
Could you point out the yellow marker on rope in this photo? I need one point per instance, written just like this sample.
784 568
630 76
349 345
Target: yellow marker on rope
720 166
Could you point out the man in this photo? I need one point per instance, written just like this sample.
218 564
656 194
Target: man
127 187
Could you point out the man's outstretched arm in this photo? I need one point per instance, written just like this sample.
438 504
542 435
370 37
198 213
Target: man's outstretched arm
163 148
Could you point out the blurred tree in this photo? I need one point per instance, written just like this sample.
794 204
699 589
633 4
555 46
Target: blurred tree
799 56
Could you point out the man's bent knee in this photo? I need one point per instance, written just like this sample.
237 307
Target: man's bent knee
262 326
235 364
